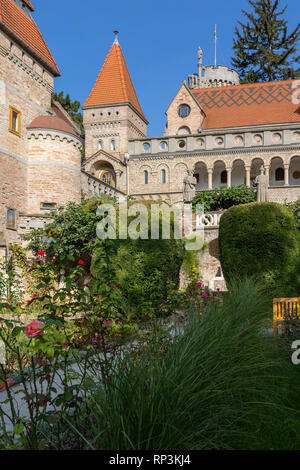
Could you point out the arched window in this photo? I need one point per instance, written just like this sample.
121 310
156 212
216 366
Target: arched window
112 145
184 130
100 145
107 177
145 177
279 174
163 176
224 177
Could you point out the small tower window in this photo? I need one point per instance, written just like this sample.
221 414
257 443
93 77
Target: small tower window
163 176
224 177
279 174
112 145
100 145
14 121
11 219
145 177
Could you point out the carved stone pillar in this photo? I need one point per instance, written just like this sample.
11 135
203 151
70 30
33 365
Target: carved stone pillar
210 174
229 171
248 173
286 174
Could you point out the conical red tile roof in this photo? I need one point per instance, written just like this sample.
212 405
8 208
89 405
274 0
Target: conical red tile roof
114 84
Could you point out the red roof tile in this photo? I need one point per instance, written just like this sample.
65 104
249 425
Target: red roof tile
21 25
248 105
114 84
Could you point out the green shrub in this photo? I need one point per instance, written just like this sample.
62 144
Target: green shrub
261 239
147 270
223 198
294 207
221 385
72 230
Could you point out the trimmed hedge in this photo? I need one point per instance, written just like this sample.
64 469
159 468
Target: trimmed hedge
261 240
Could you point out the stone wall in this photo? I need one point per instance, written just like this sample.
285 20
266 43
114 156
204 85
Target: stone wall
176 124
26 86
104 124
54 174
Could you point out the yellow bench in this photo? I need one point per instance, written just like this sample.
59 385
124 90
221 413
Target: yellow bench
283 307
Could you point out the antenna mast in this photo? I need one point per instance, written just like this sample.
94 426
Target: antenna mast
215 38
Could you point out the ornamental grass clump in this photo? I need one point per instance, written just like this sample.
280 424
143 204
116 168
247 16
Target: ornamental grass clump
222 384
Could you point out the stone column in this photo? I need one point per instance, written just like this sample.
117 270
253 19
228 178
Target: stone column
248 172
210 174
267 168
286 174
229 171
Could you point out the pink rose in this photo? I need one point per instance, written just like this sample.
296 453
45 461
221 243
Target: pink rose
199 284
9 383
204 296
34 329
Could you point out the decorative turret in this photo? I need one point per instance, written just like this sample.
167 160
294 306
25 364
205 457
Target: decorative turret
112 113
212 76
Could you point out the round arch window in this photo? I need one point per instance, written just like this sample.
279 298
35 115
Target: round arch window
184 110
107 177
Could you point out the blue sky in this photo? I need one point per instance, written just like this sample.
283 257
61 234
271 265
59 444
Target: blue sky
159 40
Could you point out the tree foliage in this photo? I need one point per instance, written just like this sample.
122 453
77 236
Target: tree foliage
72 107
264 49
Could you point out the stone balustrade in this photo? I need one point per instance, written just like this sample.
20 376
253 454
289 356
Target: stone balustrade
209 220
93 186
277 136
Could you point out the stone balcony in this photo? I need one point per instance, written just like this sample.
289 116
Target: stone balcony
214 140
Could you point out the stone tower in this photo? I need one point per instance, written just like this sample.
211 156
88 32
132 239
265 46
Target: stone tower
211 76
112 113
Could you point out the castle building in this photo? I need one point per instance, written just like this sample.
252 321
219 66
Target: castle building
217 128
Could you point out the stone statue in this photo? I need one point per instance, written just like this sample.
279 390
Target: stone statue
189 189
262 186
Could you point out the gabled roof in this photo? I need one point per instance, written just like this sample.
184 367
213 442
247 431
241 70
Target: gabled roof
29 4
248 105
106 155
184 84
114 84
15 22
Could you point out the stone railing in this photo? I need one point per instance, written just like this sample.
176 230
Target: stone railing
92 186
209 220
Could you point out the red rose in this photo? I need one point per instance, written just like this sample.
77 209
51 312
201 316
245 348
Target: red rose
81 262
34 329
41 253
